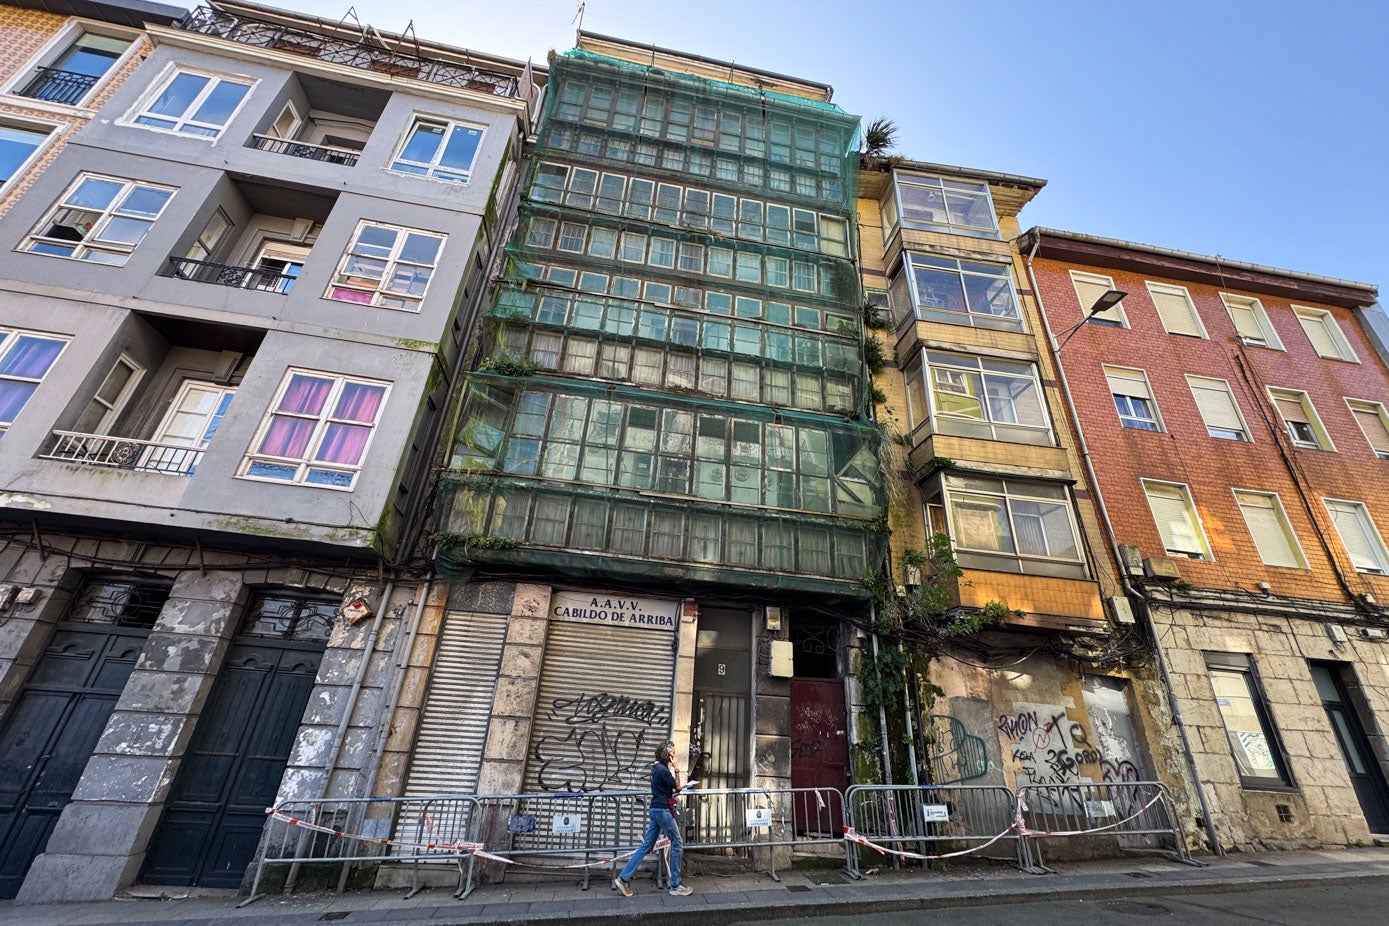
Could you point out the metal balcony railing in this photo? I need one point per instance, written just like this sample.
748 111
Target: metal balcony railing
298 149
123 453
55 86
358 54
202 271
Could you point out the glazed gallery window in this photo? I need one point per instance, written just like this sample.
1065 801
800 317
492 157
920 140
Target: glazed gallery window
193 103
386 266
440 149
317 431
958 292
25 359
1254 743
99 219
1009 525
983 397
958 207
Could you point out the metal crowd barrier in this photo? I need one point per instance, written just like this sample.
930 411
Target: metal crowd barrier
748 819
926 821
345 831
1141 814
575 832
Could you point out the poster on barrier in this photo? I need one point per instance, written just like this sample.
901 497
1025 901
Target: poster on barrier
1099 809
758 817
936 813
521 823
566 823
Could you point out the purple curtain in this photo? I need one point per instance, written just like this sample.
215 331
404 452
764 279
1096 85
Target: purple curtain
305 395
344 443
287 437
12 399
31 357
359 402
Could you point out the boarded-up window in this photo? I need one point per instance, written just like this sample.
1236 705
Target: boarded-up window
1268 526
1217 407
1175 309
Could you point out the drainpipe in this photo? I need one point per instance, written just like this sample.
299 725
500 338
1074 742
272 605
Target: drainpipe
1173 704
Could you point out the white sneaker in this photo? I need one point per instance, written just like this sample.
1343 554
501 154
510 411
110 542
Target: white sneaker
622 886
681 890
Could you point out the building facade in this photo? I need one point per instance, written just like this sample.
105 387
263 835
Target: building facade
234 308
1235 417
1050 687
663 495
59 63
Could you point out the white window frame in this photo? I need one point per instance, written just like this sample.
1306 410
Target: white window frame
378 295
296 123
92 242
1151 396
185 462
1362 514
947 227
1256 308
167 77
1357 406
1205 554
1323 441
1307 315
961 365
53 49
1013 489
1281 513
1119 315
429 169
1171 289
1247 435
323 420
117 405
8 338
52 132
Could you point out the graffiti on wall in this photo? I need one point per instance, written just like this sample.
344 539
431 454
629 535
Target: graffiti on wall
1048 748
598 741
953 754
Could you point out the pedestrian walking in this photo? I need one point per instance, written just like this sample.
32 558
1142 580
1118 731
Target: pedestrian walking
660 819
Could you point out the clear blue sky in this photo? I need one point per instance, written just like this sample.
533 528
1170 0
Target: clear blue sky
1257 131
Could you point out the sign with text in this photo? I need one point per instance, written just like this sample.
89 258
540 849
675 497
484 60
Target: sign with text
758 817
566 823
615 610
936 813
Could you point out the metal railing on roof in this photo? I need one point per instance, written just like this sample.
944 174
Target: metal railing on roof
358 54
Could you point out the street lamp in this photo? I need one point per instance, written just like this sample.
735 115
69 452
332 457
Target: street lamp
1107 301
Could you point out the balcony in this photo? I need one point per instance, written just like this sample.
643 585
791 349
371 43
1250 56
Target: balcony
123 453
257 278
328 154
54 86
351 53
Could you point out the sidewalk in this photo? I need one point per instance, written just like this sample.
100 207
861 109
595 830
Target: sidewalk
723 899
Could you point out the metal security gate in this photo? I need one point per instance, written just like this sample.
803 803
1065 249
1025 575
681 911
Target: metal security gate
453 726
233 766
50 733
605 695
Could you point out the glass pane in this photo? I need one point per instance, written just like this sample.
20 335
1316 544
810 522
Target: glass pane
94 193
423 142
1248 739
144 201
461 149
178 95
220 103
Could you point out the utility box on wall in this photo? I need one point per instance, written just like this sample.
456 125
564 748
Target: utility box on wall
783 662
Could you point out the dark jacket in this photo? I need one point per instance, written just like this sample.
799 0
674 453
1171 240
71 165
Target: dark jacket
662 786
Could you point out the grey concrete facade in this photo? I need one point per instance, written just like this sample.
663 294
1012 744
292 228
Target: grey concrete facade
214 537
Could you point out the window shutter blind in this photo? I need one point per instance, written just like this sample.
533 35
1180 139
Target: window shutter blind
1354 531
1246 322
1290 407
1319 333
1090 292
1175 309
1373 425
1216 405
1268 530
1174 519
1127 382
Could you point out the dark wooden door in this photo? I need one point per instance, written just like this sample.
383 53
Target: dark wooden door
233 766
1361 763
49 735
819 749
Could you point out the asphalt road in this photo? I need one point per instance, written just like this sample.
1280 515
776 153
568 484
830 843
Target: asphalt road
1340 905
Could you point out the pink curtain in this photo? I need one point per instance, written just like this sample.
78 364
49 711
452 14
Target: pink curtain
305 395
359 402
31 357
287 437
344 443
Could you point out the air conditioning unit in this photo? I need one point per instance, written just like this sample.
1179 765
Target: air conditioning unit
1161 568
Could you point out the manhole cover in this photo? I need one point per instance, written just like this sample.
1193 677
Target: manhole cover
798 887
1136 908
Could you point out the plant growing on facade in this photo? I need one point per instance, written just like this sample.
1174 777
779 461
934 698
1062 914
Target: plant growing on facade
507 365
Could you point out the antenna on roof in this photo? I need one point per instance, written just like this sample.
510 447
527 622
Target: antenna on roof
579 20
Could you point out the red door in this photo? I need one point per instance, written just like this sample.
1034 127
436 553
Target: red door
819 751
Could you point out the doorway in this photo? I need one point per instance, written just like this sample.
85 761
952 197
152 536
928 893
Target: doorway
1362 765
818 724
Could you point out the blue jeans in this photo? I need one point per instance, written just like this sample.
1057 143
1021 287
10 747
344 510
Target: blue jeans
660 821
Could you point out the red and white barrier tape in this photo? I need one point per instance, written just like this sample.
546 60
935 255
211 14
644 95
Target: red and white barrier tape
852 836
1025 830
